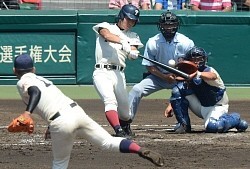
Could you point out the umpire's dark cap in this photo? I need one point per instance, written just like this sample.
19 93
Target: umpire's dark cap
23 62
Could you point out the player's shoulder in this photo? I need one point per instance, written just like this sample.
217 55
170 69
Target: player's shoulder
102 25
157 37
29 75
210 69
182 37
131 34
26 79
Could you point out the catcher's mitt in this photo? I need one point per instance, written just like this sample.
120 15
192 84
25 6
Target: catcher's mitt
23 123
187 67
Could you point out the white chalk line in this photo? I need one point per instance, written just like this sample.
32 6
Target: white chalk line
37 139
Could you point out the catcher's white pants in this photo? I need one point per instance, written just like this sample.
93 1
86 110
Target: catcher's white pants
207 112
75 122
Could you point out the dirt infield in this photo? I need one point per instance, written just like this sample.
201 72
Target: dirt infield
187 151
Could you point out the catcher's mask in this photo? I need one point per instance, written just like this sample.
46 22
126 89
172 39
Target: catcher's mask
197 55
168 25
129 11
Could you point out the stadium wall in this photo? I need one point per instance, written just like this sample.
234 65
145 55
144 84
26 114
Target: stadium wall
63 43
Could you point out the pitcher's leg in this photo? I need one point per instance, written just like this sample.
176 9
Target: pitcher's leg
62 143
100 137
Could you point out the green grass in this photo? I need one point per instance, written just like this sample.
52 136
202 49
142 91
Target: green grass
89 92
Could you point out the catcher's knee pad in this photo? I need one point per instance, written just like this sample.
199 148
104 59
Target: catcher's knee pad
177 91
180 90
215 126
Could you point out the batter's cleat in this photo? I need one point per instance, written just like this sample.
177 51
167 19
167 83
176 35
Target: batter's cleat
243 125
152 156
182 129
128 131
120 133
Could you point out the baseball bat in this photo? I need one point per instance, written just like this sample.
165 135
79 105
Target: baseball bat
168 68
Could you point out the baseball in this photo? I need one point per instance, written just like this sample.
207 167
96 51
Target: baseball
171 63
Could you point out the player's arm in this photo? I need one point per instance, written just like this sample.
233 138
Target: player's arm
155 71
24 122
108 36
206 75
35 95
168 111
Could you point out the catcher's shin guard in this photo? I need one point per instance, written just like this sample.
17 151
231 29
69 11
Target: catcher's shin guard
152 156
180 108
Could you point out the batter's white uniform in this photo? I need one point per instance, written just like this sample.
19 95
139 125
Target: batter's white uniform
110 83
72 122
215 111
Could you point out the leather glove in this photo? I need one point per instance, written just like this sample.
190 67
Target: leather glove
125 46
23 123
133 54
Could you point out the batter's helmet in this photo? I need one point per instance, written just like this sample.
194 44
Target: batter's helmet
129 11
197 55
168 25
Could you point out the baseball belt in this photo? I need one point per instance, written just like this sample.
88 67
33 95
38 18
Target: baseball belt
109 67
57 114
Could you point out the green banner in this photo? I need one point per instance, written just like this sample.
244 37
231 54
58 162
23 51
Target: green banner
53 53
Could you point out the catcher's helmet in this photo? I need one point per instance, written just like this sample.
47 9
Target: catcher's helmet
129 11
197 55
168 25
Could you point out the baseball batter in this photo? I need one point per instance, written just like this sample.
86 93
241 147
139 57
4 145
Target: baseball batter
114 44
205 94
66 118
163 47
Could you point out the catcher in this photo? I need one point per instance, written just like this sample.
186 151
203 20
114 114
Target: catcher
65 117
205 94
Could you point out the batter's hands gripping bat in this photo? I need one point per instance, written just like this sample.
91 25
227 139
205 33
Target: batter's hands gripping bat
168 68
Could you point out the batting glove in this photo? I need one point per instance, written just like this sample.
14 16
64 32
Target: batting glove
125 46
133 54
